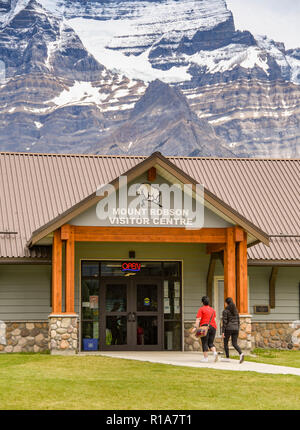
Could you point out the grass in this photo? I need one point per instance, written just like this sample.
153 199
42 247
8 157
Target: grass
94 382
274 356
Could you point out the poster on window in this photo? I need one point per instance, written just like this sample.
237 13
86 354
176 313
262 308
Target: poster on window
167 308
166 288
177 289
93 302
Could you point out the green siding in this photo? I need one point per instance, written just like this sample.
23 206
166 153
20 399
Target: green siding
24 292
286 292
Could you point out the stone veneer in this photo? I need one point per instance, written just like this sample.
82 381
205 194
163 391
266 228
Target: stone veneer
29 336
276 334
245 337
63 334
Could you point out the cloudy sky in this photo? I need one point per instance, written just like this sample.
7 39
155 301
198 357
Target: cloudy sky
277 19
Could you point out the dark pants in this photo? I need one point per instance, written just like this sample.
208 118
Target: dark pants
208 340
234 337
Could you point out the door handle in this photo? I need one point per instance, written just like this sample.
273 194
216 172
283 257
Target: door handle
131 317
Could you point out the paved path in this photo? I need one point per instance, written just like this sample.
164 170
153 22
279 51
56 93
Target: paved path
192 359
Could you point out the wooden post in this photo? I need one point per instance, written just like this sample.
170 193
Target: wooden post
242 276
56 273
70 272
272 284
229 266
210 276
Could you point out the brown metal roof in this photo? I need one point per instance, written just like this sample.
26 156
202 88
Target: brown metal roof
36 188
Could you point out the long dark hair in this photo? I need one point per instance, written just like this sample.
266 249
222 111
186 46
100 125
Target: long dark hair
231 306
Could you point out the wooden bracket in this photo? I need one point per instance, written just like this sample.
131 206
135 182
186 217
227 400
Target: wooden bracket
272 285
210 275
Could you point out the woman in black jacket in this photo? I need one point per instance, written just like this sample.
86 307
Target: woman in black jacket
231 327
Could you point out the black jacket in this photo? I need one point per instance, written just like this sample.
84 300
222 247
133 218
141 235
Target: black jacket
230 321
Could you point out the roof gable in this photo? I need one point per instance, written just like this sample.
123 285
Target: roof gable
169 170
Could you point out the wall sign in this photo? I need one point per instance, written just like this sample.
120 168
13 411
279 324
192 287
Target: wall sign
147 301
131 266
261 309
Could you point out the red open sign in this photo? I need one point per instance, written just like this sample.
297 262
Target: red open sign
131 266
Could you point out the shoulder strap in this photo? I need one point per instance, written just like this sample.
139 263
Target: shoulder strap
213 311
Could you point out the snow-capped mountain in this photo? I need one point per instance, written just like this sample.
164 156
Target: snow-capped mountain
76 70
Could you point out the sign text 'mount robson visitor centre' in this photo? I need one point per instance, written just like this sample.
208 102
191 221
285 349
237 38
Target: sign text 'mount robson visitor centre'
145 204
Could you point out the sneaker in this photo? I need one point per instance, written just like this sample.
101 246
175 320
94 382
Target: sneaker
226 360
216 357
242 358
204 360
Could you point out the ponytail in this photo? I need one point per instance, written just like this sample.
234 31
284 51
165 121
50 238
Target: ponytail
231 306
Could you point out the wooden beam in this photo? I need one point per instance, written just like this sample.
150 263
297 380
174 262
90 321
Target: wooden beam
229 266
148 234
272 285
242 276
239 234
151 174
66 231
70 272
215 248
56 273
210 275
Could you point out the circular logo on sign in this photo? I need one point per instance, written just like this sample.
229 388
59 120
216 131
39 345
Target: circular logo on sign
147 301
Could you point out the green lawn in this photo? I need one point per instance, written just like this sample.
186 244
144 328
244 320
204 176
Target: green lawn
93 382
275 356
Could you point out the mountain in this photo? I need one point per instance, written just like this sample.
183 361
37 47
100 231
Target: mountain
162 119
77 73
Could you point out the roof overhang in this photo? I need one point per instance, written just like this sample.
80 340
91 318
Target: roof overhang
163 165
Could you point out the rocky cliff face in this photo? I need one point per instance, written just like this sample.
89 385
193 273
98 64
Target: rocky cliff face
162 119
76 74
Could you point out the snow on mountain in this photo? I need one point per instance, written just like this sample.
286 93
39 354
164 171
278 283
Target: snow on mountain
13 8
76 70
228 57
184 41
143 21
133 66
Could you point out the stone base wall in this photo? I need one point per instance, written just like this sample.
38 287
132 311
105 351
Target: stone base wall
190 344
24 336
279 335
245 338
63 334
246 341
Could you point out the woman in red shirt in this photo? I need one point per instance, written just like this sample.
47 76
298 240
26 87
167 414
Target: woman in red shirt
207 316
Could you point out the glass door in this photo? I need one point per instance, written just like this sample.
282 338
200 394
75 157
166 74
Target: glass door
131 311
148 314
114 314
131 315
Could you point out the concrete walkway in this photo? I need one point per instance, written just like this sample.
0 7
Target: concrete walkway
192 359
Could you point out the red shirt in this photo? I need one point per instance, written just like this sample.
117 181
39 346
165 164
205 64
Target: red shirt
205 313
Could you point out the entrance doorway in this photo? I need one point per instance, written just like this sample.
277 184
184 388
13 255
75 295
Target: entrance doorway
131 306
131 314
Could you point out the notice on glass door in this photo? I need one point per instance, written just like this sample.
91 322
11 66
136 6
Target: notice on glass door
167 308
166 288
93 302
177 288
176 306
